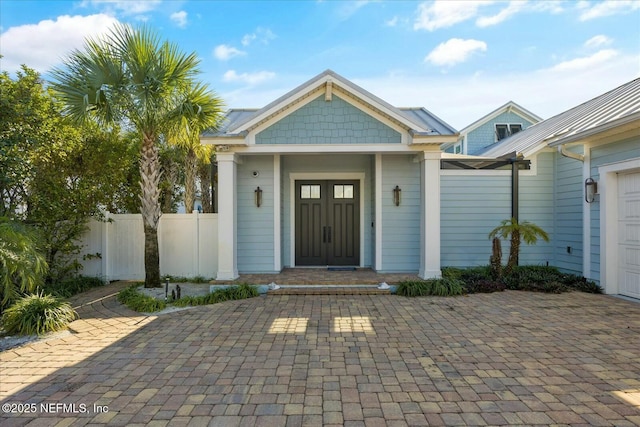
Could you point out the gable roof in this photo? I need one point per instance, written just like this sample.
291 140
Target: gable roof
508 107
617 107
418 121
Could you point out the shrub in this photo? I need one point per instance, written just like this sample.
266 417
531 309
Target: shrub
139 302
437 287
484 286
242 291
74 285
38 314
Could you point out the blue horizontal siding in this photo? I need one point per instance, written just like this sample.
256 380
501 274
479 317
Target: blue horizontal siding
255 225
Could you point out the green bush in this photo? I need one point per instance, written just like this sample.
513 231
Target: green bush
437 287
231 293
547 279
37 314
139 302
484 286
181 279
73 286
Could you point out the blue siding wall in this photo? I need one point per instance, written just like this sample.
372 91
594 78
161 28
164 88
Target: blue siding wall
344 163
255 225
473 204
536 205
568 213
400 224
322 122
602 155
485 135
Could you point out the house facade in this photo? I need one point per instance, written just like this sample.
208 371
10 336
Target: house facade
329 175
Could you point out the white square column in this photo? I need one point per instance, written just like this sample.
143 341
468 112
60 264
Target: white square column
227 224
430 215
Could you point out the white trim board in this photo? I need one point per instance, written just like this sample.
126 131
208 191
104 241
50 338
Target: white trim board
297 176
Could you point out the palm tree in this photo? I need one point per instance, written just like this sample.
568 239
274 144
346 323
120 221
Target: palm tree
131 77
22 266
516 232
187 136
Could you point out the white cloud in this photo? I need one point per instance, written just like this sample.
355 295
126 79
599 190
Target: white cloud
180 18
43 45
513 8
127 7
586 62
460 100
224 52
443 14
232 76
454 51
262 35
606 8
391 22
597 41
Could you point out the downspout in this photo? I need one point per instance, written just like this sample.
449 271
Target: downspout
570 154
515 198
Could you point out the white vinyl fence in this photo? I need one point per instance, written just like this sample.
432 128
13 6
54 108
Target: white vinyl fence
188 246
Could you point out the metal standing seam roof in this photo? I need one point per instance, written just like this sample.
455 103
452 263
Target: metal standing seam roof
621 102
424 121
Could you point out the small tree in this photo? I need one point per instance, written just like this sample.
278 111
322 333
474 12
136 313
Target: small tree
516 232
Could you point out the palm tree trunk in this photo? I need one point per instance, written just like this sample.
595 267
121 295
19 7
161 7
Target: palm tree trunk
514 251
191 164
204 171
150 208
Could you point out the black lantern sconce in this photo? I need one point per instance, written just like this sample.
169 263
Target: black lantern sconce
590 190
396 195
258 196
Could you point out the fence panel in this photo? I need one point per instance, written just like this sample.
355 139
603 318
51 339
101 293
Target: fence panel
187 246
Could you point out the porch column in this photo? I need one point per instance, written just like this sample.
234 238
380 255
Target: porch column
227 235
430 215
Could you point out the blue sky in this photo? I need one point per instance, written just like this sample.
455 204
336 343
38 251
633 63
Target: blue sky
460 60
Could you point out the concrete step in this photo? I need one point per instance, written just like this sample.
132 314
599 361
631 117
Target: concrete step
328 290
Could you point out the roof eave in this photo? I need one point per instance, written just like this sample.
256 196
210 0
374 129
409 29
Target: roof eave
621 123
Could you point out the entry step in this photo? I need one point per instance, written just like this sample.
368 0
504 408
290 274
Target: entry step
329 290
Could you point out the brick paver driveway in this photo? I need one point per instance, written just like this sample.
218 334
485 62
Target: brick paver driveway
508 358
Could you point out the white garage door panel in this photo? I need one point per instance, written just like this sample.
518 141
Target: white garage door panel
629 234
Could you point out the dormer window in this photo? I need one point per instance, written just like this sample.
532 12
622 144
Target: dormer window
505 130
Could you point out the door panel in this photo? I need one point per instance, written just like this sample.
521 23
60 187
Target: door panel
327 215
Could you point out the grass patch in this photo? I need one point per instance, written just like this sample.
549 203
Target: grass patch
73 286
38 314
437 287
139 302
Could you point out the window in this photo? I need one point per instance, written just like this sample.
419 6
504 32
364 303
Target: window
505 130
310 191
343 191
457 149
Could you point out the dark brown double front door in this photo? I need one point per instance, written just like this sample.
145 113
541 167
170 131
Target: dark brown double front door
327 223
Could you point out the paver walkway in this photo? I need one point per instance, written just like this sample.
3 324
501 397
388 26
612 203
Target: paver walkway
510 358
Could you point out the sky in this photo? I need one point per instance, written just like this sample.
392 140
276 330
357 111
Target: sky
458 59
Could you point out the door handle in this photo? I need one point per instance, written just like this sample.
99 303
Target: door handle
324 234
329 235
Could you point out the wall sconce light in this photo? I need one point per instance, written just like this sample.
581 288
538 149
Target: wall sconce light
258 196
590 190
396 195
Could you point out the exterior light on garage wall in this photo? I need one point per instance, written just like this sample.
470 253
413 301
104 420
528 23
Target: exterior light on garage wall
258 196
590 190
396 195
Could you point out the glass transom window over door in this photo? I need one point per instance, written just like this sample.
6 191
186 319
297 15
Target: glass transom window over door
342 191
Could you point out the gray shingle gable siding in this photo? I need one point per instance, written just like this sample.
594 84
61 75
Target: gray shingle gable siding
335 122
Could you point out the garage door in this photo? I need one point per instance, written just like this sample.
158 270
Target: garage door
629 234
